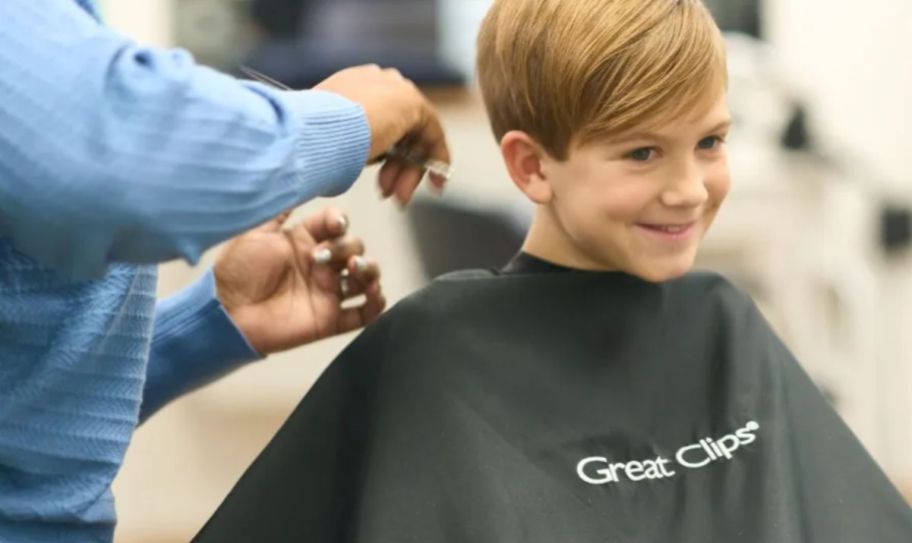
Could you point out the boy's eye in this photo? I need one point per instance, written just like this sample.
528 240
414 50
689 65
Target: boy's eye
710 143
641 155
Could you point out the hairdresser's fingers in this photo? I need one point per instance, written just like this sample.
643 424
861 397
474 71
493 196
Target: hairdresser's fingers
394 107
362 272
388 175
407 182
337 253
311 251
432 139
358 317
358 278
325 225
438 182
395 74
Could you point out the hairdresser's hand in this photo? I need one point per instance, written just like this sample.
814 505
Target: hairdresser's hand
397 113
284 286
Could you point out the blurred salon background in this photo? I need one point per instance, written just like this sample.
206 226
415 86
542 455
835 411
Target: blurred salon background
817 228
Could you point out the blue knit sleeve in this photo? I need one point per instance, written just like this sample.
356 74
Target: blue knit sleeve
113 152
194 343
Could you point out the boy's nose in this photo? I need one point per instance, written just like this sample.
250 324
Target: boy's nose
686 189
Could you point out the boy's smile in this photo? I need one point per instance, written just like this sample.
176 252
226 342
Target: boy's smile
639 203
670 232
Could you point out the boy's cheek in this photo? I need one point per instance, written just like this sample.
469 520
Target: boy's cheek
623 204
719 183
585 205
723 185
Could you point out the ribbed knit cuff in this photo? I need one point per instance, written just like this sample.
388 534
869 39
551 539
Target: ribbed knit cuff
333 142
195 342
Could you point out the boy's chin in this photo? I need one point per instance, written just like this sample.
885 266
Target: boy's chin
661 270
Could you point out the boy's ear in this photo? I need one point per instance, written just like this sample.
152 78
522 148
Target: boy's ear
525 160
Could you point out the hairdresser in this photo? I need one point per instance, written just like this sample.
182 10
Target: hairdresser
115 157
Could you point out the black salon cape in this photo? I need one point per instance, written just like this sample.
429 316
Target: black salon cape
473 411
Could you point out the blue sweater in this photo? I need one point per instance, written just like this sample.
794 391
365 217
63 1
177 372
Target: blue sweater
114 157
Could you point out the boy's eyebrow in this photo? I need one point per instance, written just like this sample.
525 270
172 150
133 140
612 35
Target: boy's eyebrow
724 125
646 135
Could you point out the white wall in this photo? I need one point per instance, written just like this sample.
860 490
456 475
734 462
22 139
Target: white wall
147 21
853 59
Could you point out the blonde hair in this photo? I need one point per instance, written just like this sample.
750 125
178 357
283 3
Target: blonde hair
568 72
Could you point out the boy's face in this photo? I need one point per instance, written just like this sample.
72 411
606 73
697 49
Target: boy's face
642 202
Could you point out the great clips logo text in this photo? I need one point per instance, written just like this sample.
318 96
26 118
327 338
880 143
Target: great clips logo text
598 470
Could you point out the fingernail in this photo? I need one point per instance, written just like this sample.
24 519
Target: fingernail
360 264
343 223
344 288
322 256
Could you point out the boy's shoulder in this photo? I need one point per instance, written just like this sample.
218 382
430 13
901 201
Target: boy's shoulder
465 275
445 291
484 307
483 290
706 281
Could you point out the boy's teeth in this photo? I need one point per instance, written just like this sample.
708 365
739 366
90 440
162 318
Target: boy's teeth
670 229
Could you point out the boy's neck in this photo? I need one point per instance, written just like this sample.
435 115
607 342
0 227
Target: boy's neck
548 241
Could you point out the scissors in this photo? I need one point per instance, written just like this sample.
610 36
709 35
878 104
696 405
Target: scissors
397 151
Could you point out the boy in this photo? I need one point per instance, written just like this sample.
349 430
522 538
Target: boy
591 391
